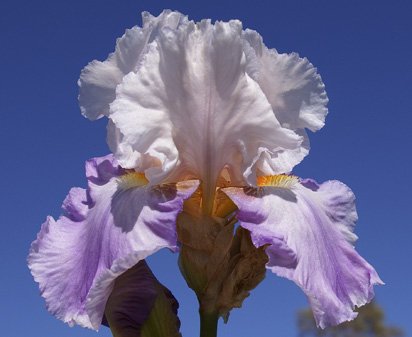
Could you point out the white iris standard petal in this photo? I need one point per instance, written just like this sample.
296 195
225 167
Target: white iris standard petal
98 80
189 99
291 84
295 91
192 106
186 100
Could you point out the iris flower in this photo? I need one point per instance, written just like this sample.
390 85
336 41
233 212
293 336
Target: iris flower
205 125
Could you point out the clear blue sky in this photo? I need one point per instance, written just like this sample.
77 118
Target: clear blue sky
363 52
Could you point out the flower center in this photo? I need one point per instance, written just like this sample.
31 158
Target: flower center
132 179
278 180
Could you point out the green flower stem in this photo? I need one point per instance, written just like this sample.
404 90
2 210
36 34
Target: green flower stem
208 324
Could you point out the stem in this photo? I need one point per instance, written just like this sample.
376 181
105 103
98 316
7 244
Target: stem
208 324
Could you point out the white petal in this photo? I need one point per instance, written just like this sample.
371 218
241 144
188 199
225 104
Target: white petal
291 84
98 80
295 91
270 164
192 106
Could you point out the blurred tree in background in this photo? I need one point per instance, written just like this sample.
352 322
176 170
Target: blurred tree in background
369 323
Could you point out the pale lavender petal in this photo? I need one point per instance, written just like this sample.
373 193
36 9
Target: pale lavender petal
102 233
251 213
100 170
316 223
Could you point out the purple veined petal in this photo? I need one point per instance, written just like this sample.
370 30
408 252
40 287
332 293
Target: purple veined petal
316 223
278 251
98 80
104 231
101 170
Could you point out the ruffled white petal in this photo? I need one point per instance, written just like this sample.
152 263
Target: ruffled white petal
192 106
295 91
188 99
291 84
98 80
